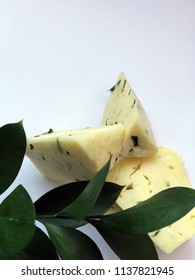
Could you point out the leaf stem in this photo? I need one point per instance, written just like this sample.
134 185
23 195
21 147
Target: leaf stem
56 216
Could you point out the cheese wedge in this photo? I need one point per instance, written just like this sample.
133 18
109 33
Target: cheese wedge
73 155
145 177
125 108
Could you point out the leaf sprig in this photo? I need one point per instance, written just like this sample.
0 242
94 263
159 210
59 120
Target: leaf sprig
63 210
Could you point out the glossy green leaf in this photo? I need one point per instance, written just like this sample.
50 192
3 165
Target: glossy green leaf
128 246
72 244
12 151
154 213
83 204
17 220
106 199
58 198
62 221
52 202
39 248
48 206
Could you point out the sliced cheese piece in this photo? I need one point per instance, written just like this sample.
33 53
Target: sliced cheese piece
171 237
124 107
145 177
73 155
175 163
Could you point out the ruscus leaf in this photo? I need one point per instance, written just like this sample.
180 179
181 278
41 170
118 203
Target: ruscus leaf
58 198
106 199
83 204
72 244
127 246
39 248
12 151
159 211
17 220
62 221
52 202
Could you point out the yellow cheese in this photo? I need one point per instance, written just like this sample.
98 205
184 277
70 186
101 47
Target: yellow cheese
171 237
124 107
175 163
145 177
73 155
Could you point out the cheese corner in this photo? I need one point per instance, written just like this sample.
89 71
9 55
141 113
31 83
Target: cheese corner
125 108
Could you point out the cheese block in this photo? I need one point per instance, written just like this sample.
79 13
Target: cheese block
145 177
125 108
73 155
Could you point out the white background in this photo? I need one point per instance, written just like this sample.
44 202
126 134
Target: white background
58 58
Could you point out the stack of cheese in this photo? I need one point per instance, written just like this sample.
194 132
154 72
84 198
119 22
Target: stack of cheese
137 163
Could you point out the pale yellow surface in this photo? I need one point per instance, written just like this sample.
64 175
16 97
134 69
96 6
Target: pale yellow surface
145 177
175 163
124 107
73 155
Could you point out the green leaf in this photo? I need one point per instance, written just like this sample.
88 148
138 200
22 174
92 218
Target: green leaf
159 211
83 204
72 244
57 199
81 207
17 220
62 221
48 206
39 248
106 199
12 151
128 246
